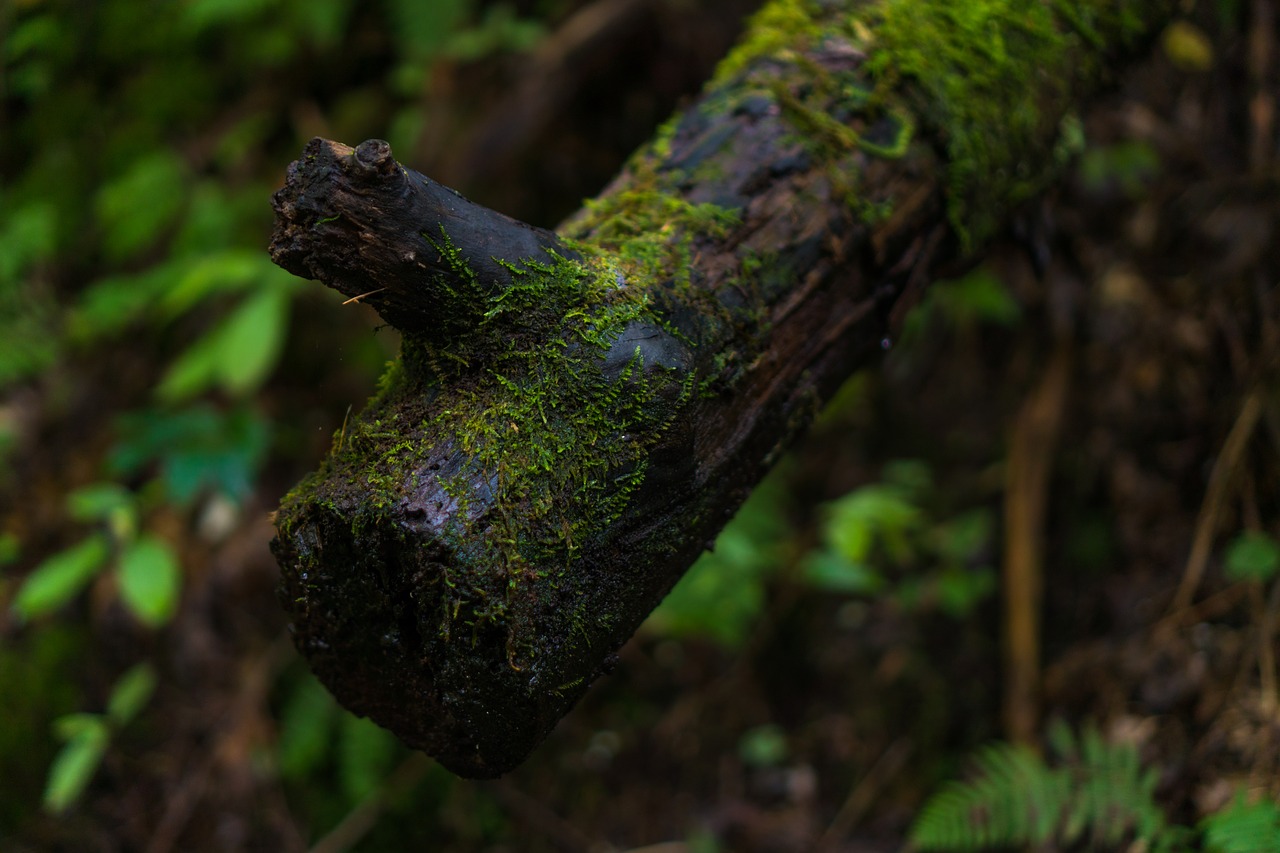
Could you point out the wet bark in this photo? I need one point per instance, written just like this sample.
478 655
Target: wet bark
448 608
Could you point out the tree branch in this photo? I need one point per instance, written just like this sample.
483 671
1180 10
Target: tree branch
575 416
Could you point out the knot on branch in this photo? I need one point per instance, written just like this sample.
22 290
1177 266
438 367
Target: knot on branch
373 157
433 264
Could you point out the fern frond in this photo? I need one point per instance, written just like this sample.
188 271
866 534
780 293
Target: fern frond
1243 827
1016 799
1013 799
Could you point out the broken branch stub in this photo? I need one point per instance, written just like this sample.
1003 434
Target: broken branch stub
347 217
573 417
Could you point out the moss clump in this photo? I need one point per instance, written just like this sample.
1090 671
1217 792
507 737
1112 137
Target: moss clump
650 232
778 30
981 69
989 79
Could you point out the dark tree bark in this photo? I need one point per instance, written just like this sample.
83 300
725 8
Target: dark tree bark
574 416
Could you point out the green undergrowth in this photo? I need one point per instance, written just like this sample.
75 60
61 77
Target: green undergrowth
1096 795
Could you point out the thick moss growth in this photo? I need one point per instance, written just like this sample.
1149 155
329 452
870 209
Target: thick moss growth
989 81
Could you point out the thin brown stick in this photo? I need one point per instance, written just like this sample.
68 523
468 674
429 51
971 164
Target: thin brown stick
365 816
863 795
1215 498
1266 650
1262 106
1031 452
543 820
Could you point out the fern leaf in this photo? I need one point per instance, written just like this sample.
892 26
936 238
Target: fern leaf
1015 799
1243 828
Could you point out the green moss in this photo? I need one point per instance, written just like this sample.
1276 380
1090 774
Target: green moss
650 232
553 412
779 30
988 79
533 384
978 66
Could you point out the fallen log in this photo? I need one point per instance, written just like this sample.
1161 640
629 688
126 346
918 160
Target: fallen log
574 415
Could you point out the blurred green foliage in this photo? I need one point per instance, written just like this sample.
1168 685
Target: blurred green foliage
1098 791
87 737
1095 790
1243 826
722 594
1254 556
1128 166
963 306
141 144
879 540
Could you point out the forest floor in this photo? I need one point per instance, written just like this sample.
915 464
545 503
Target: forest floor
1118 432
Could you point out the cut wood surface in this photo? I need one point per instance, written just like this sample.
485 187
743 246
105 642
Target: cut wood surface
575 415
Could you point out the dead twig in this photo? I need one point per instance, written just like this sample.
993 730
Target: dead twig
1031 452
365 816
863 795
1215 497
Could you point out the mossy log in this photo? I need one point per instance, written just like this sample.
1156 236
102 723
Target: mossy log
574 415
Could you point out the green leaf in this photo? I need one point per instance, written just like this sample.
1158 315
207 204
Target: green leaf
252 341
1128 166
827 569
424 29
130 694
979 297
200 15
198 448
961 589
365 755
320 21
142 202
110 304
150 580
71 726
723 592
10 548
1252 556
1243 827
964 537
237 354
763 746
57 580
26 236
75 765
109 502
306 727
228 271
98 501
872 514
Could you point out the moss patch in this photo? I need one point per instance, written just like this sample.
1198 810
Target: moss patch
554 396
988 79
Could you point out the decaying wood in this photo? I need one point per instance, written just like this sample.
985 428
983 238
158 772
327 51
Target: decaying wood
463 603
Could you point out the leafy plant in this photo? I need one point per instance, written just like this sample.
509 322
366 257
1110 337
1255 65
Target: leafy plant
979 298
1243 827
1099 793
1252 556
88 735
148 575
1129 167
723 592
879 540
316 735
141 143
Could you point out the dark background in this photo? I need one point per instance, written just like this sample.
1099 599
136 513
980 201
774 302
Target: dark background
838 657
